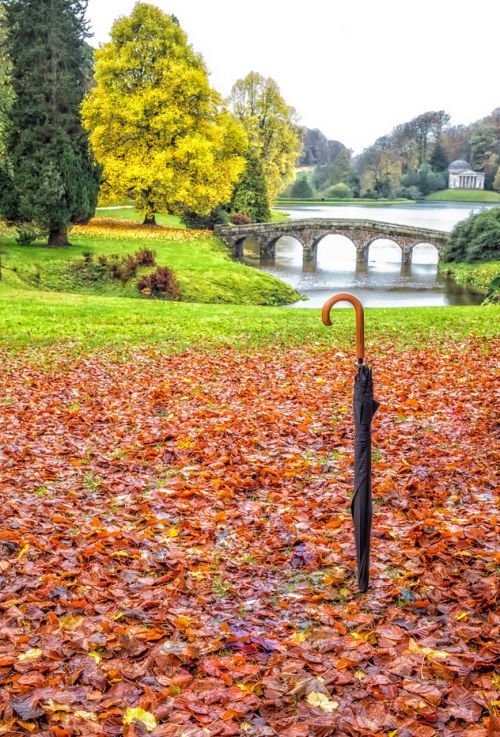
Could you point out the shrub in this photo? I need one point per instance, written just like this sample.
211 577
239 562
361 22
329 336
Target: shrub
339 191
301 189
161 283
476 239
239 218
27 233
409 193
192 220
146 257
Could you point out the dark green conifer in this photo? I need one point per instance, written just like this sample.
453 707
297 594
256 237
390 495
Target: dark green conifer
250 194
51 178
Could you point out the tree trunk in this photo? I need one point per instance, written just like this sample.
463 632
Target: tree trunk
149 220
58 237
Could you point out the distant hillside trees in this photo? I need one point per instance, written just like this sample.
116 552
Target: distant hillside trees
160 131
317 150
271 126
50 178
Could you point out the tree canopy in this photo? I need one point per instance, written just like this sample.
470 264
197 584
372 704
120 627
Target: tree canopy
50 179
271 126
159 130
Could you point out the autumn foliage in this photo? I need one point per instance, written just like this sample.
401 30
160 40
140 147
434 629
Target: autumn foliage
177 557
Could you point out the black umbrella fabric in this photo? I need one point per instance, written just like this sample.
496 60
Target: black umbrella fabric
364 407
361 506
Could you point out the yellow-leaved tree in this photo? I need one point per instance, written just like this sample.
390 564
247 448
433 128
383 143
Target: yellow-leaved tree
158 129
272 128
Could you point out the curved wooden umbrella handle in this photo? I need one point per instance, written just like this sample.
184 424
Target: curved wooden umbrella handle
360 319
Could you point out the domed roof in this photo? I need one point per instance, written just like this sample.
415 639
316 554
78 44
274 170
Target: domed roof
459 165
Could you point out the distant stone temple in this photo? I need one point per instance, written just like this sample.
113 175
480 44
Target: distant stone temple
461 176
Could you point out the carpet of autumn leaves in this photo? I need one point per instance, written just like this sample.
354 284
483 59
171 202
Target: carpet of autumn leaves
177 557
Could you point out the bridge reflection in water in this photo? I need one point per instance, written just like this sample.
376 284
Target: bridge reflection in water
381 280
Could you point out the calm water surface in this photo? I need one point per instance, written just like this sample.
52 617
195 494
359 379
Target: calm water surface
384 282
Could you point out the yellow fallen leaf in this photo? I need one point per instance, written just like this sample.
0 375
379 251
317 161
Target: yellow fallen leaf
32 654
71 621
297 638
87 715
52 705
461 616
427 652
23 551
141 715
118 616
173 532
321 701
96 656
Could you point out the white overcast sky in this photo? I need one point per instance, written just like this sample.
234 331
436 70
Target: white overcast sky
352 68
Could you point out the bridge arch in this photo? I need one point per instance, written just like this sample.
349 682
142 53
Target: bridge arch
418 249
398 248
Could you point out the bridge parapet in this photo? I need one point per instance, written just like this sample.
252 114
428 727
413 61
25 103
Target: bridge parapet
309 232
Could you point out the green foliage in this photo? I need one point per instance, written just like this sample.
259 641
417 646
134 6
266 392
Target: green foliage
250 195
424 179
53 179
496 182
271 127
482 146
218 216
27 233
439 158
301 188
160 131
337 170
339 191
476 239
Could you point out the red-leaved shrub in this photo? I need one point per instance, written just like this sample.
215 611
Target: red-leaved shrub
161 283
240 218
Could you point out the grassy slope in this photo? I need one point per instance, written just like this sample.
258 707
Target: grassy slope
464 195
202 266
79 323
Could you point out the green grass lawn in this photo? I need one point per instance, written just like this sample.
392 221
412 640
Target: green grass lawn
81 323
464 195
202 266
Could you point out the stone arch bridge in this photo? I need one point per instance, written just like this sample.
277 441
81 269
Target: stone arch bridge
309 233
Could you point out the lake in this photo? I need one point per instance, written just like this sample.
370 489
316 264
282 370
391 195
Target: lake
384 282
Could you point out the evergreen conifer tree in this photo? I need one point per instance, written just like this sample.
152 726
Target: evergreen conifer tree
52 178
250 194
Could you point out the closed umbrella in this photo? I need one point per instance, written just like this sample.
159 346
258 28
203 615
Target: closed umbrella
364 408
